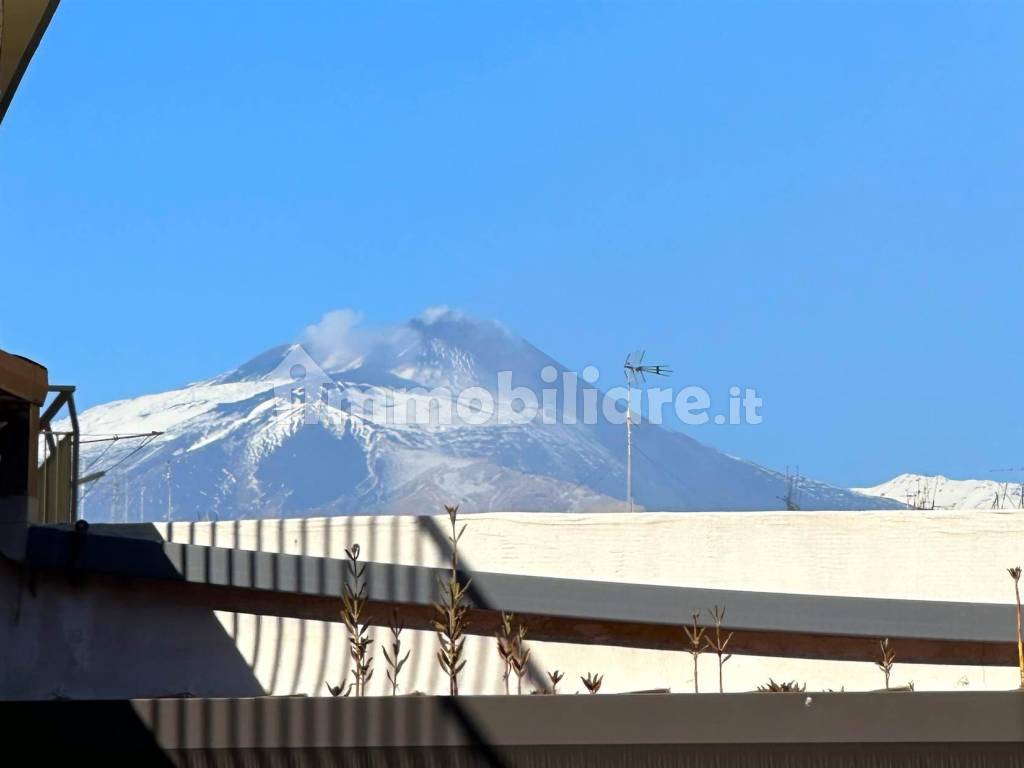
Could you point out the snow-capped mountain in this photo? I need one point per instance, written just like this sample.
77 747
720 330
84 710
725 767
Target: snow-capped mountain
284 435
938 492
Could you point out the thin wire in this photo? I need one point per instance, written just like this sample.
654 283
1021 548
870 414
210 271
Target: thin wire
102 454
125 458
120 461
666 469
100 437
112 440
115 438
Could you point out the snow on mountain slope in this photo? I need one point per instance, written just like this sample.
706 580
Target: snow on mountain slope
938 492
248 444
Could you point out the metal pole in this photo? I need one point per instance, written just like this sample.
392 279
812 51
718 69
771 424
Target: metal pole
635 370
75 440
66 396
629 447
41 512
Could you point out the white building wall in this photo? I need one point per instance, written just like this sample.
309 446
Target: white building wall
955 555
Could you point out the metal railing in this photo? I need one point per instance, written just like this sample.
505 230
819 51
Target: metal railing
58 472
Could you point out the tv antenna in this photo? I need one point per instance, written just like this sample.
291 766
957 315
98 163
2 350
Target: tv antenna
792 497
1006 494
922 498
636 375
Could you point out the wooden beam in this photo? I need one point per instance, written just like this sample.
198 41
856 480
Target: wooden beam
563 610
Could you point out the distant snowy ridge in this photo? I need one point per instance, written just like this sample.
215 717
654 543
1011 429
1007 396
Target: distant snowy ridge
232 447
938 492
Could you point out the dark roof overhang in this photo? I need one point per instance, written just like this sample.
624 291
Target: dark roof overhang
22 25
22 378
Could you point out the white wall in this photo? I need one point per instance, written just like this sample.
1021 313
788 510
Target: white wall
103 640
941 555
959 556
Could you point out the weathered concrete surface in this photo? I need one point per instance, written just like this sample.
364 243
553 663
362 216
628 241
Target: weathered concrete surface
870 730
94 639
940 555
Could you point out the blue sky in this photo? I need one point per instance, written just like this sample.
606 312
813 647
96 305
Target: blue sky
819 200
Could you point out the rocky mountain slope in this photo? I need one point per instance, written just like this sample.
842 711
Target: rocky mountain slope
327 433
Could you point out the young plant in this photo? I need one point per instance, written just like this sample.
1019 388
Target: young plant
791 687
697 644
592 682
520 658
718 643
339 690
395 660
452 610
506 639
1015 575
353 602
888 660
555 678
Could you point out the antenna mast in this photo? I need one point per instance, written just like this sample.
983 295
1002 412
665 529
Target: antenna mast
792 497
167 477
635 372
997 504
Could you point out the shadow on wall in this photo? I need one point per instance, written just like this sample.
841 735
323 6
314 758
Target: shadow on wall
290 655
76 634
89 637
